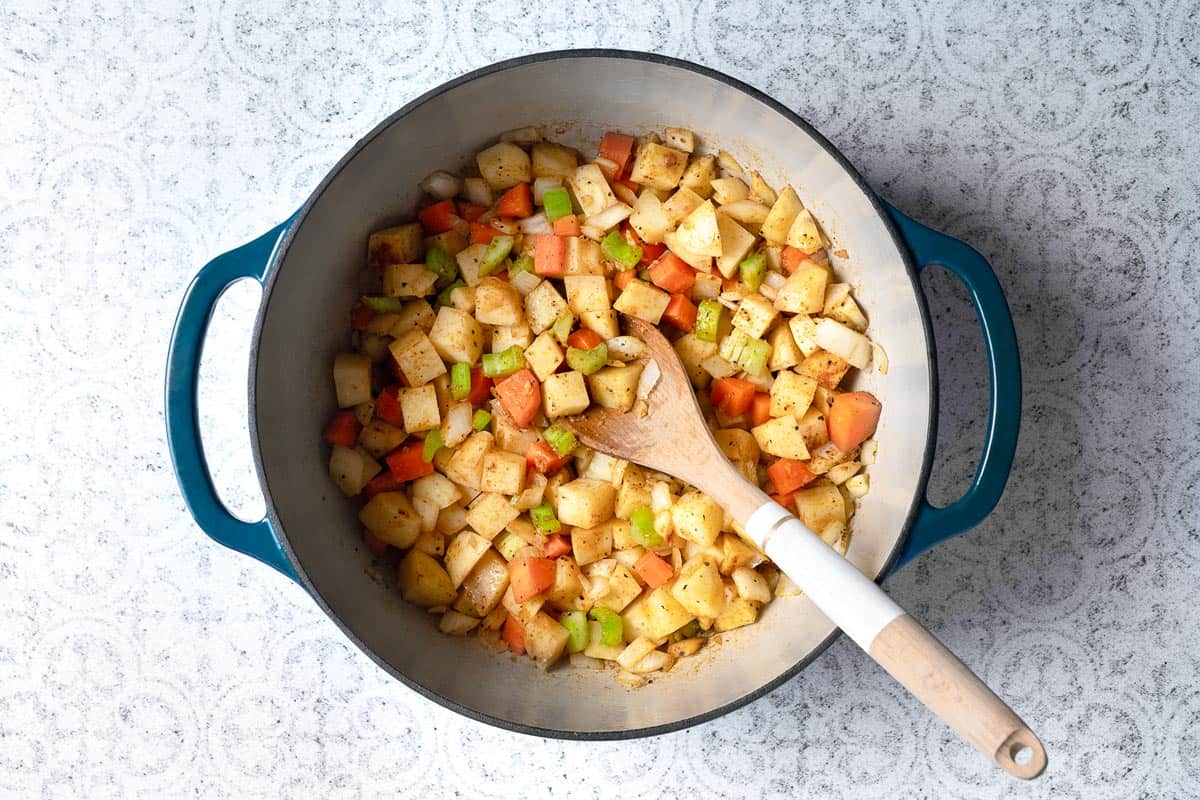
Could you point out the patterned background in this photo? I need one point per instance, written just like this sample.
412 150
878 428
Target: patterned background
139 660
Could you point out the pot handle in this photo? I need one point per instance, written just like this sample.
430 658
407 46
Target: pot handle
932 524
255 539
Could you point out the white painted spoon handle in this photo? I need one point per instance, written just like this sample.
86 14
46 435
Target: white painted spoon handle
897 642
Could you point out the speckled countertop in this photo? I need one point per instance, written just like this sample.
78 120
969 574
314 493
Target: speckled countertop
136 144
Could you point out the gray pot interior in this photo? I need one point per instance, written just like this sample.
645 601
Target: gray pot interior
303 324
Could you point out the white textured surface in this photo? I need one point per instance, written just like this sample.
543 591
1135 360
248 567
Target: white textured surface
139 660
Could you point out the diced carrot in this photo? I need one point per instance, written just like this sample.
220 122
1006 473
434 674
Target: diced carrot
343 429
516 203
383 482
360 317
791 259
529 576
556 545
680 312
406 462
733 395
628 184
513 634
470 212
482 233
567 226
520 396
852 419
439 217
788 475
387 406
670 272
729 284
540 457
788 500
622 278
550 255
653 570
617 148
584 339
377 546
481 387
760 409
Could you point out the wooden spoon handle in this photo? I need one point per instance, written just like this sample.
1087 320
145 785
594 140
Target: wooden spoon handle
897 642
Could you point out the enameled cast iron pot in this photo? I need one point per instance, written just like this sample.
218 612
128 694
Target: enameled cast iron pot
310 265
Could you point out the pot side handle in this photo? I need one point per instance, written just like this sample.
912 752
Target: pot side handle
255 539
932 524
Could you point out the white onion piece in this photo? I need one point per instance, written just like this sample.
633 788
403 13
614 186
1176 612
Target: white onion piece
660 496
441 185
586 662
648 379
536 224
479 192
625 348
844 342
543 185
609 217
879 357
527 135
774 280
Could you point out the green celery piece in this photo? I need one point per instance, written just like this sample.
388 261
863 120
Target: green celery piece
753 269
460 380
577 630
754 355
383 305
433 443
441 263
522 264
641 524
611 627
708 320
615 248
443 297
481 420
504 363
560 439
497 250
561 328
588 361
544 519
557 204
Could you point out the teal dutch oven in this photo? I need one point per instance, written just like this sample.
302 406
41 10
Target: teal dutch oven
310 267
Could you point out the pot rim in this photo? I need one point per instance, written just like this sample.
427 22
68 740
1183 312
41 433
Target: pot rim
285 241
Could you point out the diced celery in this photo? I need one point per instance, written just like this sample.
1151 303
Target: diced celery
384 305
754 269
504 363
562 328
754 356
641 525
615 248
433 443
611 627
497 250
577 630
441 263
708 320
588 361
522 264
557 204
460 380
481 420
561 439
544 519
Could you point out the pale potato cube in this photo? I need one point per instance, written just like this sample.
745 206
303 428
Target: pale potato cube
649 219
587 293
466 464
585 502
490 514
729 190
680 139
544 355
779 221
420 408
503 165
545 639
591 544
640 299
820 506
408 280
436 489
463 553
697 517
503 473
813 428
456 336
751 585
623 589
583 257
553 160
826 367
451 519
804 333
754 315
463 298
735 552
784 352
451 241
352 379
736 613
498 303
456 422
454 623
658 166
591 189
803 292
565 393
417 358
379 438
699 588
804 233
415 314
483 588
391 517
469 260
697 261
523 612
615 387
699 175
699 232
679 205
736 242
664 614
543 306
567 590
401 244
737 444
603 323
423 582
631 494
749 213
505 336
781 437
692 351
844 309
792 394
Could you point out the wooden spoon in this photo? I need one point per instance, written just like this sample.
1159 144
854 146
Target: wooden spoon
673 438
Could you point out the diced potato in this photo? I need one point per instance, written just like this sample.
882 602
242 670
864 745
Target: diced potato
456 422
814 429
490 514
615 387
658 166
585 502
804 233
498 303
553 160
417 358
679 205
379 438
591 544
554 483
591 189
452 519
699 588
819 506
680 139
545 639
408 280
603 323
469 260
804 330
697 517
587 293
352 379
649 219
423 582
623 589
699 233
431 542
635 619
452 241
543 306
351 469
463 553
859 485
583 257
736 242
783 213
686 647
636 650
823 398
827 368
754 315
399 245
505 336
463 298
567 591
565 393
781 437
437 489
483 589
415 314
466 464
640 299
749 213
456 624
792 394
699 175
760 190
736 552
844 342
737 444
664 614
503 473
630 495
420 408
751 585
803 292
729 190
692 351
504 165
736 613
697 261
544 356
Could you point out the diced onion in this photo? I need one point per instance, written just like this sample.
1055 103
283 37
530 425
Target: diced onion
479 192
586 662
609 217
660 496
527 135
441 185
774 279
543 185
844 342
879 357
536 224
648 380
625 348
